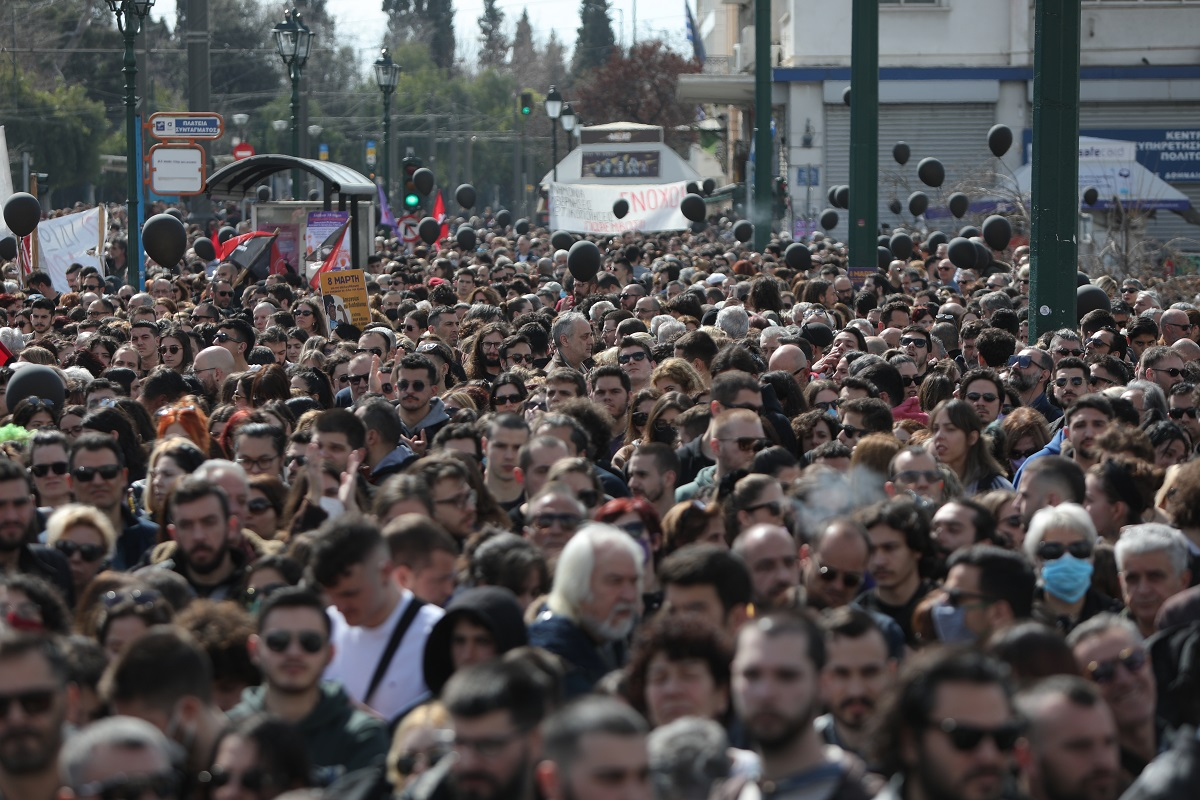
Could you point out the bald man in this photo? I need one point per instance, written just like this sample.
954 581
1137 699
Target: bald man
790 358
212 366
771 553
1174 325
1187 349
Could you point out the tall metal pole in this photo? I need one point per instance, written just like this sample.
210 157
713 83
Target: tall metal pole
295 121
864 133
1053 250
763 148
554 148
131 153
387 146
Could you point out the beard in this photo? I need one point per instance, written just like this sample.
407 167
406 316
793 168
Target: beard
26 749
208 567
610 629
498 790
1099 784
936 786
773 730
1022 381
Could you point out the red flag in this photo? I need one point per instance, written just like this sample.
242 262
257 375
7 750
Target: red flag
439 213
6 356
233 241
333 246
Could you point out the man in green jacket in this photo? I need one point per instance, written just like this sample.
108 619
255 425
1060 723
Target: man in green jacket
292 648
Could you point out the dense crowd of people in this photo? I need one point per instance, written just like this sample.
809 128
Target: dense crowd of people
697 525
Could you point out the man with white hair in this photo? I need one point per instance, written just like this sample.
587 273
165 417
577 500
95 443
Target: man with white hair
118 757
734 321
1152 564
593 605
572 337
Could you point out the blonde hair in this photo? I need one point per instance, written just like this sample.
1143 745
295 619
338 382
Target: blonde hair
429 715
72 514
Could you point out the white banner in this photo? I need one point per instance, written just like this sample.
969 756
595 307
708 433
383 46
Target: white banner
6 185
68 240
588 208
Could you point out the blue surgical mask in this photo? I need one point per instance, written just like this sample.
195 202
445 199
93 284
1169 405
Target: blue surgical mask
950 623
1017 462
1067 577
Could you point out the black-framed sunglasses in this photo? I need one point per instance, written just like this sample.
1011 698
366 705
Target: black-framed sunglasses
1049 551
1132 658
1180 413
278 641
966 738
848 579
639 419
986 397
639 356
1075 381
508 399
173 349
86 474
90 553
57 467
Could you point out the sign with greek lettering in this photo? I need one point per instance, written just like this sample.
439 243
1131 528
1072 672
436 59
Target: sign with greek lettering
344 293
1172 154
587 208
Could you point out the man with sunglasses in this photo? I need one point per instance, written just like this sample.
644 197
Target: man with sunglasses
116 757
236 336
1071 381
292 648
1182 408
99 478
222 295
422 413
1029 372
734 437
1161 365
1173 326
1073 752
34 706
636 360
1110 653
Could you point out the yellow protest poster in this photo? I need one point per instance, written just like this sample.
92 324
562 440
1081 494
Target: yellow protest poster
345 296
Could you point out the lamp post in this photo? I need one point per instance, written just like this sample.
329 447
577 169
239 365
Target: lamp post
568 122
554 107
387 75
130 14
293 40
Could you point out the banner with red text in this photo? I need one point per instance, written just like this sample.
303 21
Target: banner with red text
588 208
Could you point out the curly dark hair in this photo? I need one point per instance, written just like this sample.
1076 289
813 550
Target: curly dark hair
679 637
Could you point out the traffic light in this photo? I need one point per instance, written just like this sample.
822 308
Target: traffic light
780 197
526 103
412 200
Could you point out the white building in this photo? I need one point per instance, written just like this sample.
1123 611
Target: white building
949 70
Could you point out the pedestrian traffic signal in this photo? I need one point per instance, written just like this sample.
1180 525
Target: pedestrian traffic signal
526 103
412 200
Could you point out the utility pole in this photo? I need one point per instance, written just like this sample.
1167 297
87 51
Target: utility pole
1053 248
864 133
763 148
199 98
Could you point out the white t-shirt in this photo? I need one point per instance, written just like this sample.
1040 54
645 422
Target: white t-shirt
358 651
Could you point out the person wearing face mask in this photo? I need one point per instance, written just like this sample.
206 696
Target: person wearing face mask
986 589
1061 542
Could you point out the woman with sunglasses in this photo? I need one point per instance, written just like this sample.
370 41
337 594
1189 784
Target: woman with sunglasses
1026 433
35 414
48 466
175 350
258 757
755 500
310 317
127 614
84 537
264 509
507 394
1062 544
958 442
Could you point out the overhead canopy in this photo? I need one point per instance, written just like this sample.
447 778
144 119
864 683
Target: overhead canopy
242 178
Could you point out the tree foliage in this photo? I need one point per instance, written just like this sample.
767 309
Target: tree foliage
430 21
62 130
493 44
595 42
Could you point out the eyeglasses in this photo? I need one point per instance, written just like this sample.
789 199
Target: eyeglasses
1076 381
914 341
40 402
1049 551
278 641
86 474
1096 379
772 507
549 520
1174 372
520 358
224 294
252 780
1025 453
90 553
258 505
357 379
508 399
223 337
908 380
639 419
747 444
911 476
404 386
1132 658
625 358
1023 362
375 351
406 764
1075 352
33 702
466 498
294 459
173 349
1180 413
851 580
827 405
852 432
1129 290
945 318
536 405
302 312
986 397
965 737
958 598
264 463
61 468
1096 341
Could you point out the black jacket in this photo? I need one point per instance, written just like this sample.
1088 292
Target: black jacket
1174 775
48 564
691 460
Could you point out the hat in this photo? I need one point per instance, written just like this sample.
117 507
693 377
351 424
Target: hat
436 281
551 287
817 333
716 279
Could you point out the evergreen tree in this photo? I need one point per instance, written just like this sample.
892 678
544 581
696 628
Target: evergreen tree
440 14
554 61
493 44
596 42
428 21
524 64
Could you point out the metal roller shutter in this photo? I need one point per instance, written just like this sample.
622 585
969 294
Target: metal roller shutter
955 134
1166 225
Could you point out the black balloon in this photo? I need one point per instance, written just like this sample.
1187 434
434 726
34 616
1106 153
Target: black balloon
961 252
22 213
917 203
428 229
165 239
693 187
843 196
933 240
692 207
931 172
1082 279
699 226
1000 138
797 256
465 195
883 240
901 153
829 219
521 226
743 231
958 203
969 232
314 194
35 380
561 240
846 95
620 208
423 180
901 246
997 231
709 186
832 196
1089 298
8 248
263 193
1090 195
226 233
204 249
583 260
983 256
894 205
466 237
883 257
503 218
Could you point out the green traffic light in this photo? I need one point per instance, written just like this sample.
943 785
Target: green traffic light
411 200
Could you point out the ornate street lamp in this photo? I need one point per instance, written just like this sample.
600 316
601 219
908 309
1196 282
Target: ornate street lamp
293 41
387 75
569 121
554 106
130 14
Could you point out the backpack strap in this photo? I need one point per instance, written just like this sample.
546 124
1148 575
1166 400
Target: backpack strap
385 659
